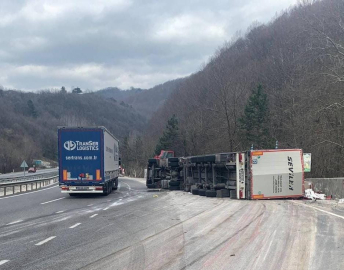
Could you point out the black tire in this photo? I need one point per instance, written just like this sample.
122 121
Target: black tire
115 186
173 164
174 183
152 161
106 190
72 194
201 192
210 193
195 191
233 194
151 186
174 188
173 159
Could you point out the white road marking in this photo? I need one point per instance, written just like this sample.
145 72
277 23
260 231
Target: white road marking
316 208
3 262
14 222
106 208
27 193
90 204
53 200
93 215
75 225
45 241
58 212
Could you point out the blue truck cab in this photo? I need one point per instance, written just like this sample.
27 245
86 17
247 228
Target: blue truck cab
88 160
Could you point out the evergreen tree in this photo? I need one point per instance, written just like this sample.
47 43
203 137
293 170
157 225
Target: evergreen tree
32 109
63 90
255 121
170 139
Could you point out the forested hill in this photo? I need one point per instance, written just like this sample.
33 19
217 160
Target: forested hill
29 122
298 59
146 102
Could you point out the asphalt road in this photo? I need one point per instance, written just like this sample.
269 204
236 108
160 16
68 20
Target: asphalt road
135 229
19 174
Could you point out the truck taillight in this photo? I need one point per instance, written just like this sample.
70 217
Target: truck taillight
64 175
98 175
99 188
65 188
240 157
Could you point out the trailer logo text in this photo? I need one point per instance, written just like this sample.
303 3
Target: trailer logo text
82 146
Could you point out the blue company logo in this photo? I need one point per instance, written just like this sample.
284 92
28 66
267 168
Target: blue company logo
69 145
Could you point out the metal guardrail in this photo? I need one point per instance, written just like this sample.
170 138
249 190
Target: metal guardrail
11 188
28 177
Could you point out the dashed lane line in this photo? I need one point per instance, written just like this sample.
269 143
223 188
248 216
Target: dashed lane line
53 200
3 262
59 212
45 241
75 225
15 222
93 215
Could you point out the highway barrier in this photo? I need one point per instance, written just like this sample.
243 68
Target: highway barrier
10 188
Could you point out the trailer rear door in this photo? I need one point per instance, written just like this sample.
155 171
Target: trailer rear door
276 174
80 154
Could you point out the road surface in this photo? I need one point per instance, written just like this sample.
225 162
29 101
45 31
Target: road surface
20 174
135 229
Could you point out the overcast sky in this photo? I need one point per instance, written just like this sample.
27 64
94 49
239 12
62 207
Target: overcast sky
95 44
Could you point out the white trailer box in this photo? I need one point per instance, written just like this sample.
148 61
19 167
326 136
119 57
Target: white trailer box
276 174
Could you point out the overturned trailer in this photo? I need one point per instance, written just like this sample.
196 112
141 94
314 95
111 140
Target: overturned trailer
256 174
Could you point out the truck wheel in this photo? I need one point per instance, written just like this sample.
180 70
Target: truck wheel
195 191
110 187
173 164
152 161
210 193
201 192
174 183
106 190
115 184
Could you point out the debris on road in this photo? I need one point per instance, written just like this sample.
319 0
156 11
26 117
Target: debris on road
310 194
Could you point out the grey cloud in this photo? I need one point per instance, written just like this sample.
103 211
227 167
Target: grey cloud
122 43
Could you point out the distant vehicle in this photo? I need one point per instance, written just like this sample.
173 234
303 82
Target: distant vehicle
32 170
88 160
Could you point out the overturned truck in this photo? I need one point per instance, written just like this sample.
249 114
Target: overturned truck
255 174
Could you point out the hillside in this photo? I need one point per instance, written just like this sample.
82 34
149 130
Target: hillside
146 102
29 122
298 59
